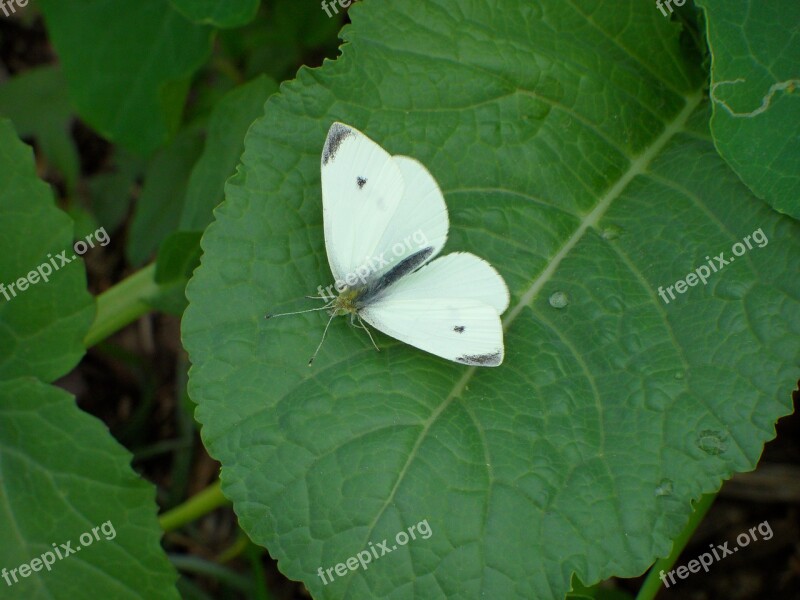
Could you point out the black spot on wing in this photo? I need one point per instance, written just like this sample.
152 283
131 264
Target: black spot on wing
481 360
458 329
360 181
336 135
404 267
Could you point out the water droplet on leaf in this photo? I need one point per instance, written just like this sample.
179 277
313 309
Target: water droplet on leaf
559 299
664 488
712 442
611 232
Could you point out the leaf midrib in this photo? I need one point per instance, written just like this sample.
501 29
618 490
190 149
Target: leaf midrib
637 166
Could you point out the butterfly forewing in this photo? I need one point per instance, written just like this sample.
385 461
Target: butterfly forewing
361 190
421 218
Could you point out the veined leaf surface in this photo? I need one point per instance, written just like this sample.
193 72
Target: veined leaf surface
571 143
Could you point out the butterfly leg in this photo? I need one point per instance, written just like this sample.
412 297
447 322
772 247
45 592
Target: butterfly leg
364 327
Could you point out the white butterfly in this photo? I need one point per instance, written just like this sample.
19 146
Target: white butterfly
385 220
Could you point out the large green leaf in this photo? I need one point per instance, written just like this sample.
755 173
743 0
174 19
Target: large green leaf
179 253
755 47
158 208
61 472
128 65
63 477
224 144
44 306
571 142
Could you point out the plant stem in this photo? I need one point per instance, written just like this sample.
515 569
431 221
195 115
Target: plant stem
652 583
254 553
194 508
122 304
195 564
238 547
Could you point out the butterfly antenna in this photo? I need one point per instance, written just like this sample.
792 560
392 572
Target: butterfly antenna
313 356
298 312
364 327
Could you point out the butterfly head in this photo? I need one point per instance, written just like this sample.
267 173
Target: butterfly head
346 303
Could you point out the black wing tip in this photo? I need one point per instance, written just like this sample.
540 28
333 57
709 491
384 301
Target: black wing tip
336 135
492 359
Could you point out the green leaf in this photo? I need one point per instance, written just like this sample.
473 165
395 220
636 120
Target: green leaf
754 88
230 13
128 65
36 101
171 298
110 192
45 309
64 476
179 254
158 209
288 34
227 126
598 592
178 257
573 150
167 201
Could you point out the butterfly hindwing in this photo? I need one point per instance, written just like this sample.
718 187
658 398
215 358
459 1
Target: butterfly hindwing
450 307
